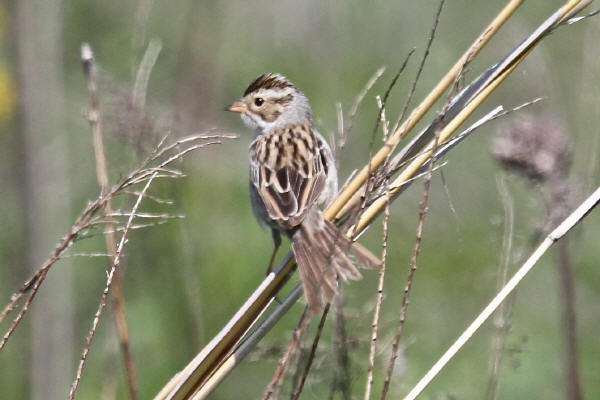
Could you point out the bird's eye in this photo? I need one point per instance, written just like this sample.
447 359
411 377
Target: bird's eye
259 101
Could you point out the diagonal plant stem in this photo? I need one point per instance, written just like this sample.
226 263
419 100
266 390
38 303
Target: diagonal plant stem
95 120
283 363
33 284
359 99
311 355
420 111
558 233
420 70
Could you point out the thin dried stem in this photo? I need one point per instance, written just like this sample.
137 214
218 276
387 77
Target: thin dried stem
411 271
380 285
341 378
391 86
12 304
283 363
84 255
502 317
567 287
311 354
378 303
119 213
33 285
360 97
421 66
116 262
299 356
137 226
156 199
363 196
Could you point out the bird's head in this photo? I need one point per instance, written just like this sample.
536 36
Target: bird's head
271 101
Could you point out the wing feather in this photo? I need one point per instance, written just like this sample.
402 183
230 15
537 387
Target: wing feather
286 168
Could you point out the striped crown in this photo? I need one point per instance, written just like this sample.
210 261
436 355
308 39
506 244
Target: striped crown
268 81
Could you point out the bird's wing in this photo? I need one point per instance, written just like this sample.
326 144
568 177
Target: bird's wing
288 172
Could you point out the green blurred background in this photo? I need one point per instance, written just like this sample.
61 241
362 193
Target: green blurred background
185 279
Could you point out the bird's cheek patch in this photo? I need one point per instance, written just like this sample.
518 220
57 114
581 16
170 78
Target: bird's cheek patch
271 114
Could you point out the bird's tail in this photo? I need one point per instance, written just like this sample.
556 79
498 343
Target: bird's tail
321 252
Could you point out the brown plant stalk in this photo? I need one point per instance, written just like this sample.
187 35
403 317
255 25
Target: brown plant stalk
382 270
341 377
283 363
423 208
119 313
311 354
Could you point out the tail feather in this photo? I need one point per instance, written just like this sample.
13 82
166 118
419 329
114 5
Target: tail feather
321 252
364 256
316 282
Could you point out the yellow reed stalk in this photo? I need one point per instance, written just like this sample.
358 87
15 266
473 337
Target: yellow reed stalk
193 376
411 169
421 109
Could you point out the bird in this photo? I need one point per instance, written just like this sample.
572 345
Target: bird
292 179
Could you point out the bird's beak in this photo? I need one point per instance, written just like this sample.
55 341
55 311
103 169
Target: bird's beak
237 107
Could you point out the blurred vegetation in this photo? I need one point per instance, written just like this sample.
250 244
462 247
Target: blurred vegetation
185 279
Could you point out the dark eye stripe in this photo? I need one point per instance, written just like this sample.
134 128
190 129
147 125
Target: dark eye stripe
285 100
268 115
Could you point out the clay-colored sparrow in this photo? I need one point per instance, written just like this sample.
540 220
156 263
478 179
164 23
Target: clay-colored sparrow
292 179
